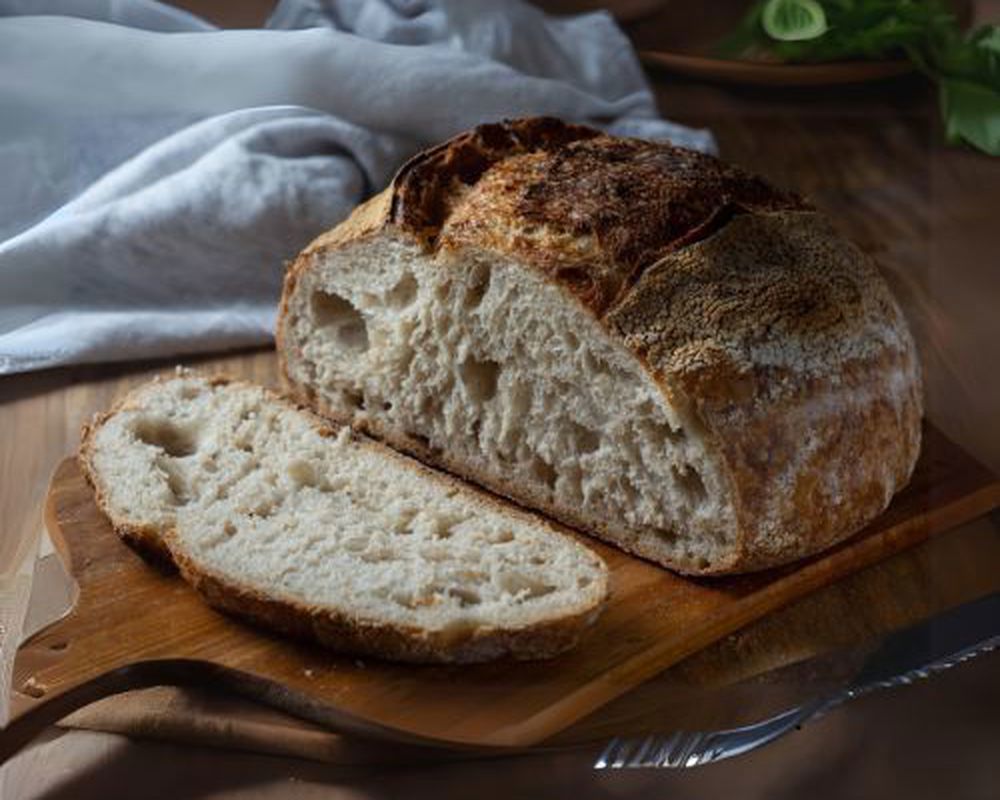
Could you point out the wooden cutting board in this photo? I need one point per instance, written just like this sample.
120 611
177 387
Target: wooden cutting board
135 625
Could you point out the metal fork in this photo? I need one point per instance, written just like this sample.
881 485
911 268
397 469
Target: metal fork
903 657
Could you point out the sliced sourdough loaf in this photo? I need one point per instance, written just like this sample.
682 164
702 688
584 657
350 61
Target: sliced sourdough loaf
275 516
646 343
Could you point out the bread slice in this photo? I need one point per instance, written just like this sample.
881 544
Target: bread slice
318 532
644 342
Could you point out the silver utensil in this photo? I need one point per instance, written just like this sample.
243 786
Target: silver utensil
901 658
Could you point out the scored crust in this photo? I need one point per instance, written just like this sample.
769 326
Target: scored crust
776 336
341 631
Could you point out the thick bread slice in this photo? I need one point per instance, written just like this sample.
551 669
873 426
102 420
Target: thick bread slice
641 340
275 516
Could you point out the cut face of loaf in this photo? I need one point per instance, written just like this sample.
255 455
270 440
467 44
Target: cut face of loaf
646 343
274 516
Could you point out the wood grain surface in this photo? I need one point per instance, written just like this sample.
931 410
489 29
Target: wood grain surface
133 618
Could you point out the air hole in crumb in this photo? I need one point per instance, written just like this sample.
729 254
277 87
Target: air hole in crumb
403 523
583 581
543 471
631 495
501 537
172 439
436 553
479 378
444 527
353 400
465 597
335 314
520 401
537 560
403 293
442 324
661 433
178 488
571 483
584 439
689 482
525 586
333 485
368 300
228 528
478 286
442 290
264 508
302 472
189 391
595 365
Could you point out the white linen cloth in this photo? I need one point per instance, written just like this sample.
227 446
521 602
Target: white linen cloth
156 172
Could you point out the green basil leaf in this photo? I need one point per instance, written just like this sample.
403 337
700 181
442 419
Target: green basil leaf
793 20
971 114
988 37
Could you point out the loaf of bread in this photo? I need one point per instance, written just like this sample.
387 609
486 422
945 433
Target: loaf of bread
644 342
275 516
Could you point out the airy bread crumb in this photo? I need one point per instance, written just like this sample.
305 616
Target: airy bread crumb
645 342
312 530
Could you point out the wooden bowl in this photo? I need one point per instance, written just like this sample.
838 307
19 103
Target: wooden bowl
683 37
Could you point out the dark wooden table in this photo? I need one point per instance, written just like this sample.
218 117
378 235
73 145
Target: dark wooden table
874 158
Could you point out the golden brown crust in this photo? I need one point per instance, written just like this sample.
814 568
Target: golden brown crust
787 345
331 628
426 188
596 213
354 636
774 335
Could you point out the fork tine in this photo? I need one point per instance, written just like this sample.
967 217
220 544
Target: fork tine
642 751
609 755
603 759
688 749
693 748
660 752
625 747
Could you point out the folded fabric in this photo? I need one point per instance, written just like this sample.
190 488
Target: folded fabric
157 172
